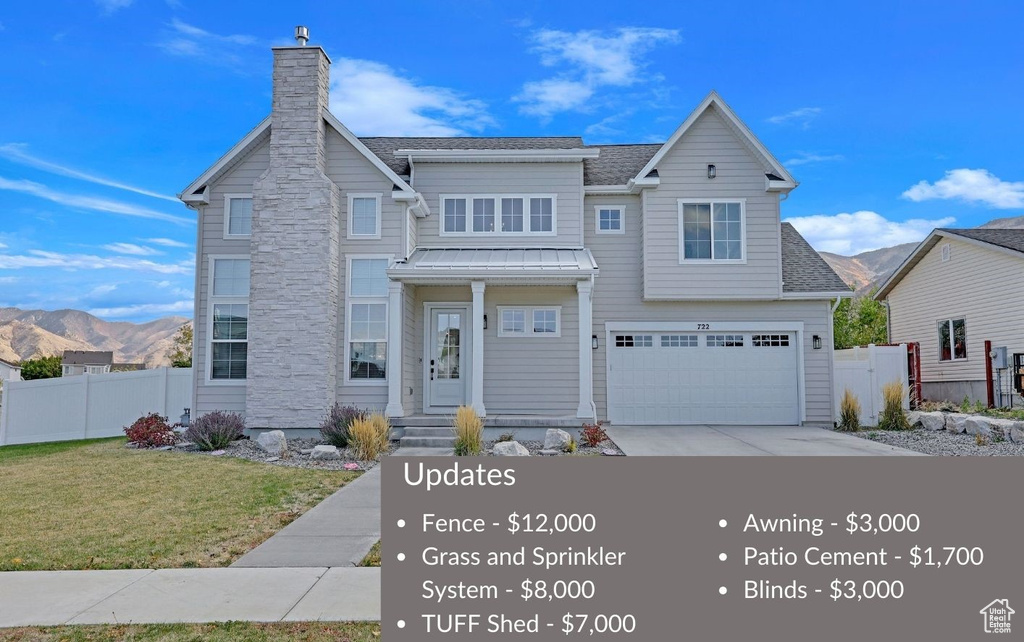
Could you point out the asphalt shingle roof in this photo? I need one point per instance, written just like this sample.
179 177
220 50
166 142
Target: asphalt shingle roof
1010 239
803 269
617 163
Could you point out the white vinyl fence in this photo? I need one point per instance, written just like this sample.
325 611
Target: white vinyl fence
864 371
89 406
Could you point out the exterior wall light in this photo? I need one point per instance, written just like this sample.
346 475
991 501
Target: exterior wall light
593 341
712 171
485 322
816 342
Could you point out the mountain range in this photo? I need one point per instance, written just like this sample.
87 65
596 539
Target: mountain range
25 334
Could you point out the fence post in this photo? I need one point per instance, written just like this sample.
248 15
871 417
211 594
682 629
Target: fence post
85 410
3 415
873 381
162 394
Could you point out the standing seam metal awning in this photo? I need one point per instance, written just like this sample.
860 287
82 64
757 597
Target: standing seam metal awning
489 264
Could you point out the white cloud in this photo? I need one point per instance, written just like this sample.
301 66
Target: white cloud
850 234
44 259
591 60
183 39
3 246
971 186
372 99
167 242
88 202
802 116
145 309
16 152
110 6
131 248
807 158
6 280
101 290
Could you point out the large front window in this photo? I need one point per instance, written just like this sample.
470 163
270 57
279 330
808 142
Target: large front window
498 214
952 340
229 319
367 322
711 231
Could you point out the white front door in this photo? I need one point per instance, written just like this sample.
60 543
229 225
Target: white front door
446 352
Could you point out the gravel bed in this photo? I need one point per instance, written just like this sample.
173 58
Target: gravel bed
581 451
247 449
942 442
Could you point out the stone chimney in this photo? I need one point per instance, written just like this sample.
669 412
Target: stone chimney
293 296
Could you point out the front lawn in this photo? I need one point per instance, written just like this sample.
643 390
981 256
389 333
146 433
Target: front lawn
99 505
226 632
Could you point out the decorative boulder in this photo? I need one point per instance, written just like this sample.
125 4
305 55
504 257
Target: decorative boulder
932 420
555 439
1016 432
978 426
272 442
510 449
914 419
324 452
955 423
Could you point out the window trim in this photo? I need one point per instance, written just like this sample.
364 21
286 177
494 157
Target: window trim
622 219
497 214
228 236
378 197
952 344
528 326
713 261
212 300
349 300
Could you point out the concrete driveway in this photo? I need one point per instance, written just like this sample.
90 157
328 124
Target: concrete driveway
745 440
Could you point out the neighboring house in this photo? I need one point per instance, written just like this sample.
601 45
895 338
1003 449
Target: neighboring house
644 284
9 371
957 290
78 362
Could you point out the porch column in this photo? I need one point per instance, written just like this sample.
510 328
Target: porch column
477 390
394 355
586 409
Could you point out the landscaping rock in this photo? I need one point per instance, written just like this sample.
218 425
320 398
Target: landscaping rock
555 439
609 452
932 420
510 449
272 442
1016 432
325 452
978 426
183 444
271 460
550 452
306 451
217 453
914 419
955 423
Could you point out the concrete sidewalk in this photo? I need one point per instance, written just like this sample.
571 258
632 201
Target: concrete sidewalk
44 598
337 532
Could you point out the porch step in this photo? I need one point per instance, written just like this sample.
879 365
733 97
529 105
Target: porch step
428 437
432 431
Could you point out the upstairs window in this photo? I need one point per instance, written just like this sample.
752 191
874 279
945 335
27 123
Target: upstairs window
609 220
498 214
364 216
711 231
952 340
237 215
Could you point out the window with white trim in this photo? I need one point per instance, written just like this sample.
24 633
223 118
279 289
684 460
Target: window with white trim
497 214
237 215
229 319
608 220
711 231
513 322
545 321
953 340
364 216
367 321
529 321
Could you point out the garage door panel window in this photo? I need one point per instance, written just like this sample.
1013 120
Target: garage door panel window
770 340
634 341
725 340
952 340
679 341
712 231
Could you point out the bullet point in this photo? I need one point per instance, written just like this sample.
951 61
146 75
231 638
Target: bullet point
401 523
723 523
723 556
722 590
401 624
401 557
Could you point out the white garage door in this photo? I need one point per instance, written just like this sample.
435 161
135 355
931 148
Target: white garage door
703 378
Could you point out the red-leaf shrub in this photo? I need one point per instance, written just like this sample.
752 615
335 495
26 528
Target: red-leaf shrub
593 434
150 431
215 430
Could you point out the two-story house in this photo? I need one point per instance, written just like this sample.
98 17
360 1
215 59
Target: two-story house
531 277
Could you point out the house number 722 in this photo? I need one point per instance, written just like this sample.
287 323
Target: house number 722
703 326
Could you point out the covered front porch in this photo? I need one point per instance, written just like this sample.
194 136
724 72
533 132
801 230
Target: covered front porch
505 331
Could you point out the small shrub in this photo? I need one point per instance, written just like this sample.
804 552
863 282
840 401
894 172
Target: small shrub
570 446
893 417
979 407
965 405
334 429
469 432
849 413
215 430
369 436
150 431
981 440
593 434
506 436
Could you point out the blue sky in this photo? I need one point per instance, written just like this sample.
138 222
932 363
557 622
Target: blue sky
895 117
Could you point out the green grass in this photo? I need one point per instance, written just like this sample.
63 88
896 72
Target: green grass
225 632
373 557
99 505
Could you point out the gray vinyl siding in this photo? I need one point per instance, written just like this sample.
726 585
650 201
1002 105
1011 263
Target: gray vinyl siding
978 284
683 174
352 172
617 298
563 180
238 180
